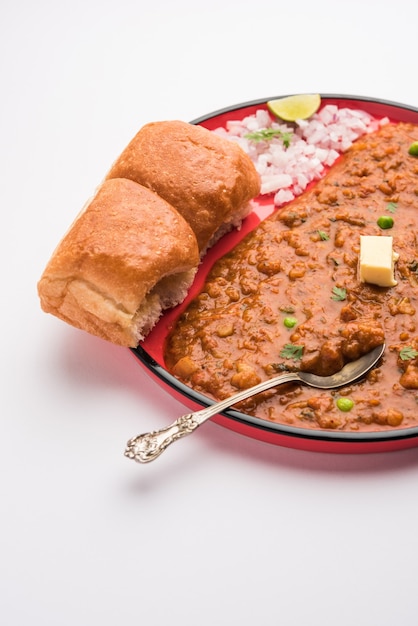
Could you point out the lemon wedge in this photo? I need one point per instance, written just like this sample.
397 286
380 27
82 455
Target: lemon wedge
298 107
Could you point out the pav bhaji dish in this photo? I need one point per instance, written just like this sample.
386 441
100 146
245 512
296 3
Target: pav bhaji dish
326 278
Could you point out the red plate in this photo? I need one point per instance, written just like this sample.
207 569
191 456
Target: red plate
150 351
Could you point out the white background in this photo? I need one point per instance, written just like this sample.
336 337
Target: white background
222 529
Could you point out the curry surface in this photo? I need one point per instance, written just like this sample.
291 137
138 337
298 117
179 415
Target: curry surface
302 263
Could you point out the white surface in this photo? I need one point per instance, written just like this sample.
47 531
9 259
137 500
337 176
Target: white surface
221 529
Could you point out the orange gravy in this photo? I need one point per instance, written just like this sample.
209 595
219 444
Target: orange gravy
289 297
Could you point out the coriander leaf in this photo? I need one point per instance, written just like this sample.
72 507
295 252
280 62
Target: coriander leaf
391 207
339 293
408 353
323 235
292 351
286 138
267 134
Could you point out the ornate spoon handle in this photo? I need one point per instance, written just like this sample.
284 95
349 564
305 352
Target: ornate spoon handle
149 446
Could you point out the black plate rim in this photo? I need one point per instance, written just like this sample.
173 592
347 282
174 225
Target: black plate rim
274 427
325 96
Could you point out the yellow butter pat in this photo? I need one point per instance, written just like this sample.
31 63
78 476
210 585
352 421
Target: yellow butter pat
377 261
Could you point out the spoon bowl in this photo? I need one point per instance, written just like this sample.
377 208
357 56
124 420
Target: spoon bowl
350 373
148 446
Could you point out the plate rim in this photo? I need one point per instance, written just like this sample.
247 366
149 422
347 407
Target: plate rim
276 428
329 96
259 424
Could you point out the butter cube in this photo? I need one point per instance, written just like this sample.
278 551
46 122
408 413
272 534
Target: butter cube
377 261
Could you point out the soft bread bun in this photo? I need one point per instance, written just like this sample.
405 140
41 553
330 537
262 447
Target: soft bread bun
207 178
128 256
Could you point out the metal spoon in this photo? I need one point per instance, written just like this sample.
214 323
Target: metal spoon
147 447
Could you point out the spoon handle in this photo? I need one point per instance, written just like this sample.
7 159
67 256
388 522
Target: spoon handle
148 446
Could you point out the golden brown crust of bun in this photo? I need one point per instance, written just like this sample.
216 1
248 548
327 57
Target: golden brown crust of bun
126 257
208 179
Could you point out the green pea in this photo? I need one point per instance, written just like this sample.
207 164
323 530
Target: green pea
345 404
413 149
290 322
385 221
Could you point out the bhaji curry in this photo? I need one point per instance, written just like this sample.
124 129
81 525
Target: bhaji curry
289 297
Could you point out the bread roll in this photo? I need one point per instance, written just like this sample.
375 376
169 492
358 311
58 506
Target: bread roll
128 256
208 179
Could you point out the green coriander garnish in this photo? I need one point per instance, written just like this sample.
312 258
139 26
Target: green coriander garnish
267 134
323 235
286 138
408 353
339 293
292 351
391 207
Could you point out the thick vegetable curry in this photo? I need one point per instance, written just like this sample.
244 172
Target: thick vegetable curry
289 297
